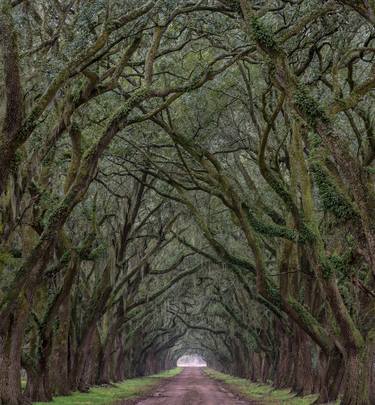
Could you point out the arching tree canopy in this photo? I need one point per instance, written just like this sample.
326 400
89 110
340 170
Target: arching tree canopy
187 177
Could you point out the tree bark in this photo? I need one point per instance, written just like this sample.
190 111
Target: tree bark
357 378
11 337
38 385
331 377
60 358
81 356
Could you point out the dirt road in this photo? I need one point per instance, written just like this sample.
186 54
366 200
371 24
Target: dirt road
192 387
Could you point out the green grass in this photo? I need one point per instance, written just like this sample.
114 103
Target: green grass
107 395
265 394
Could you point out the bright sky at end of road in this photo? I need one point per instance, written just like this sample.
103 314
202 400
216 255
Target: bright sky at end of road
191 360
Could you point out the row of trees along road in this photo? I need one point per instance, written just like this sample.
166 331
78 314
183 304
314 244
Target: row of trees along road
183 177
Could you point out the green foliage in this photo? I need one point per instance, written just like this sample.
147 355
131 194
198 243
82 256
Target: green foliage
272 230
333 264
6 258
327 268
303 313
263 34
274 294
49 201
75 92
308 106
54 213
99 252
315 141
306 234
331 197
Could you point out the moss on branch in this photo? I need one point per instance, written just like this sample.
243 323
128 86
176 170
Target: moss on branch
309 107
263 35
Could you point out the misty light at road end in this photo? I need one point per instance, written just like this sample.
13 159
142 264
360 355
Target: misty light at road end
191 360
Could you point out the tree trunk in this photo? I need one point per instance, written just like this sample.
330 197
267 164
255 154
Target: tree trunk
119 365
306 366
10 377
38 386
104 370
282 364
84 370
106 357
11 336
303 368
80 360
331 378
372 371
357 379
60 357
38 382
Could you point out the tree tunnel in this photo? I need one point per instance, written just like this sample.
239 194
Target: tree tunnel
183 178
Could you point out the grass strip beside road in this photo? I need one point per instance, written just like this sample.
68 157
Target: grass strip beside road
106 395
260 393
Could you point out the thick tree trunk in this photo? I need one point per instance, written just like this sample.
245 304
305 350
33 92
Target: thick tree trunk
307 368
257 366
38 379
290 376
265 369
372 371
11 336
80 361
119 364
38 386
60 357
297 383
10 377
331 378
104 370
106 358
357 379
303 367
90 373
280 380
84 370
